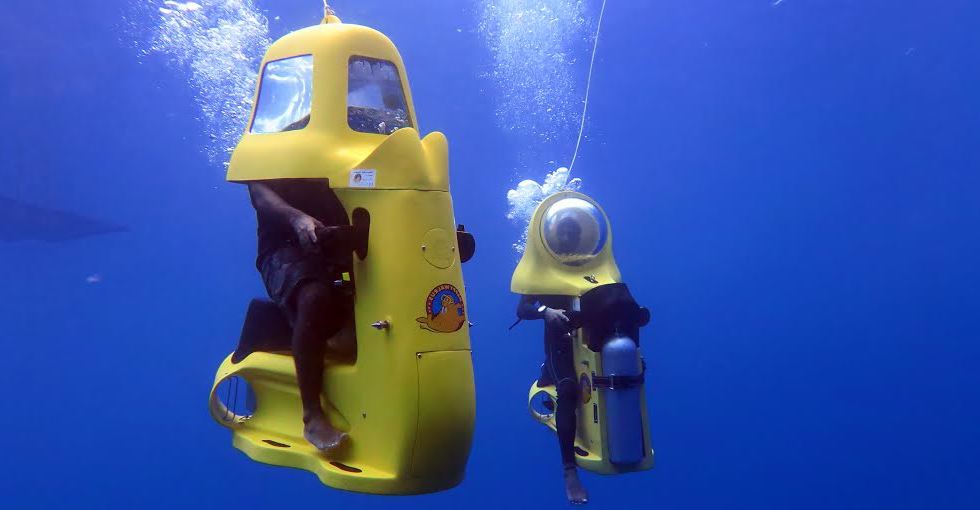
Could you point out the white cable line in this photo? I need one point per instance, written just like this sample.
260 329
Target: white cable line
588 85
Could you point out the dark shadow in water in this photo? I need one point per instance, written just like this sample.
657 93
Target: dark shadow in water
25 222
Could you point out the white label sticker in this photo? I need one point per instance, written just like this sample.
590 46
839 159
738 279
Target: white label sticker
361 179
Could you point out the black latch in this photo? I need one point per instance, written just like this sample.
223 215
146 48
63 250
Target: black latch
466 243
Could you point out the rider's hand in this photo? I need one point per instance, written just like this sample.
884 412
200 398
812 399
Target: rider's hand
337 237
305 227
556 317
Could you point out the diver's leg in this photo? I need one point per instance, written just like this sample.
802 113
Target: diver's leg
565 423
316 320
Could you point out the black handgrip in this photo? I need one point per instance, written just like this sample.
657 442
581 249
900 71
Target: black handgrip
466 242
361 228
346 238
643 316
335 238
575 319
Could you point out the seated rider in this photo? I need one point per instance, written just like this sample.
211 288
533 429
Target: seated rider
300 256
559 370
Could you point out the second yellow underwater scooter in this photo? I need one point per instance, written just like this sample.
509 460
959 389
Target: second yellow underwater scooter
569 254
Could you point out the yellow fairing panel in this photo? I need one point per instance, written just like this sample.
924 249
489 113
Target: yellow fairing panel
538 273
445 427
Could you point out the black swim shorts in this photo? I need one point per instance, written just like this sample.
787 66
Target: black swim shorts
286 269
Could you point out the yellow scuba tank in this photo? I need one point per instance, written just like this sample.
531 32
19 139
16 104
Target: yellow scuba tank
569 253
333 102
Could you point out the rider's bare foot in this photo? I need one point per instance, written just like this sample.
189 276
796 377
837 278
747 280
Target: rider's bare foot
319 432
573 487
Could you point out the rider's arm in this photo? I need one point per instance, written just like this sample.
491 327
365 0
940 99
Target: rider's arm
267 201
529 309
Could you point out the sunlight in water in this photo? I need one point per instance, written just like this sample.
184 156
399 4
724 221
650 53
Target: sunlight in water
531 43
217 45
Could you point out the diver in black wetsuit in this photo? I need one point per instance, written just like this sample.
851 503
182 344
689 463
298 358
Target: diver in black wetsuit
559 370
301 253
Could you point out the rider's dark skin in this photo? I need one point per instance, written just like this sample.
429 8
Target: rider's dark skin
311 325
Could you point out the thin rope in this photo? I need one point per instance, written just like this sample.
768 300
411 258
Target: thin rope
234 403
227 416
588 85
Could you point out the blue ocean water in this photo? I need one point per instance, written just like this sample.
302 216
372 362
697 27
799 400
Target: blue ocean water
793 190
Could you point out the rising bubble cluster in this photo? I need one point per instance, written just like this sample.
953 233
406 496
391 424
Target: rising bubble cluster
528 194
218 44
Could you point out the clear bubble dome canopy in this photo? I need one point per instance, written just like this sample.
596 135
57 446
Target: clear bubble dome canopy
574 230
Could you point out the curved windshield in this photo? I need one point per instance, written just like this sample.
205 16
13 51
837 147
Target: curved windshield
375 98
285 95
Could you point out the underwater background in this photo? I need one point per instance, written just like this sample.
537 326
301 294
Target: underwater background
794 188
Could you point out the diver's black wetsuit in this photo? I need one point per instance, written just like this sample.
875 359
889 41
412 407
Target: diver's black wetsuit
558 368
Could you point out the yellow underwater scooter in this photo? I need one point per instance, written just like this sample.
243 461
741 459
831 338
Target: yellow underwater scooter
569 253
333 103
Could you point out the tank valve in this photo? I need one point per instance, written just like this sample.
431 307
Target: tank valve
381 325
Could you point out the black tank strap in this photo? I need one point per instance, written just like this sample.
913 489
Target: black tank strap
617 382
